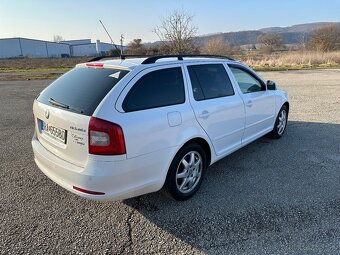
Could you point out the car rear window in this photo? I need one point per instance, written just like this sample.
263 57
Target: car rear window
81 89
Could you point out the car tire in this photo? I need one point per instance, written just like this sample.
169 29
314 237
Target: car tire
280 123
186 172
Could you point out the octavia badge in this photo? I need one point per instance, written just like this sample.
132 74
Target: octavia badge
47 113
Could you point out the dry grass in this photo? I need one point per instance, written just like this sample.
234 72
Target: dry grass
292 60
38 64
51 68
36 68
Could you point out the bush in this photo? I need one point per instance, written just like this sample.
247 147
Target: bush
217 46
136 48
325 39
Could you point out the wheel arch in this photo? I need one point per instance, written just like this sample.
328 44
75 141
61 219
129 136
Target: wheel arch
287 105
203 143
170 178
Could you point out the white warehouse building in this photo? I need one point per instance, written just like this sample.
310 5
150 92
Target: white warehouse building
24 47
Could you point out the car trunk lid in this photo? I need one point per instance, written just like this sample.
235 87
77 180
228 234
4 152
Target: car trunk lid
63 133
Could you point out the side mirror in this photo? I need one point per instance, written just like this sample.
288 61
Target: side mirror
271 85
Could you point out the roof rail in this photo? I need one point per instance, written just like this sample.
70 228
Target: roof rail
153 59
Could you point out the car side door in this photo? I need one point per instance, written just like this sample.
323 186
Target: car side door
154 103
259 102
217 106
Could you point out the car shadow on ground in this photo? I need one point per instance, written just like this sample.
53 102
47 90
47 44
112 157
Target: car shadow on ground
265 194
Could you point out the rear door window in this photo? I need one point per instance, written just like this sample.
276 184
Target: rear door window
210 81
81 89
156 89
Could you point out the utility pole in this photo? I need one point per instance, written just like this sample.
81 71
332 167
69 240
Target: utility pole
121 44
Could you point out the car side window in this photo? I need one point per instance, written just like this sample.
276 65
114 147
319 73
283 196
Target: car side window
210 81
246 81
156 89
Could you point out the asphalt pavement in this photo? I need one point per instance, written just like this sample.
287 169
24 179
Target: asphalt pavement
271 197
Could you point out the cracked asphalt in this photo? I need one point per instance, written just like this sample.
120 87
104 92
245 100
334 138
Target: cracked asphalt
271 197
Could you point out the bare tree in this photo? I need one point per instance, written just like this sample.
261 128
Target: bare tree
325 38
177 32
58 38
270 42
135 47
218 46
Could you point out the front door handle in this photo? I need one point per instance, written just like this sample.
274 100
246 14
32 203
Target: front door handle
249 103
204 115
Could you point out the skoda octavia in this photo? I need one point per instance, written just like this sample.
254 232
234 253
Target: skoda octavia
114 129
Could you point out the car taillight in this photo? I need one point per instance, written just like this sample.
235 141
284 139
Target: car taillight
105 138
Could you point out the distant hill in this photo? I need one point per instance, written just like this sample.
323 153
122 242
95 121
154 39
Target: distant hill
301 28
296 34
290 35
235 38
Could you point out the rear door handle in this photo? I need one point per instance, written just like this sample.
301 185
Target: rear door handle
204 115
249 103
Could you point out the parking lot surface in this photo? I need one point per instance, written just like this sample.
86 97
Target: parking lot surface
271 197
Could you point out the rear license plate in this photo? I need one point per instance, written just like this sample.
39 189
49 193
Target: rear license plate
54 132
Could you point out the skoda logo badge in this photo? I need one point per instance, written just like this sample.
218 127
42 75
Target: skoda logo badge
47 113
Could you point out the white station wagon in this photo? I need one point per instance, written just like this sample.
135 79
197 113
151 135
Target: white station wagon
114 129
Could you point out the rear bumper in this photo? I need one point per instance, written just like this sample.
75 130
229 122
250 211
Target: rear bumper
118 180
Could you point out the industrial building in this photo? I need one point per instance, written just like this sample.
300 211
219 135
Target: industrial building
24 47
84 47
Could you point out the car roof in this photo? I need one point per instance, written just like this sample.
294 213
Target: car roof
131 63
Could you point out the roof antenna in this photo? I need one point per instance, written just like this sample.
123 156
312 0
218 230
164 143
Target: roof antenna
118 51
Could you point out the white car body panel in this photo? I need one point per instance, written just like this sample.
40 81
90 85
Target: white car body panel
222 118
260 114
152 136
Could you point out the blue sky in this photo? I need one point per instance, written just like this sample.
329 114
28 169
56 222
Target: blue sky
41 19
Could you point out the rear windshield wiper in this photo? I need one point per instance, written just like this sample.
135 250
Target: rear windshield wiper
57 103
62 105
